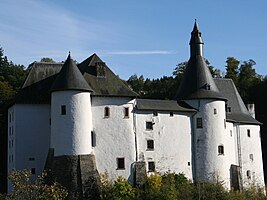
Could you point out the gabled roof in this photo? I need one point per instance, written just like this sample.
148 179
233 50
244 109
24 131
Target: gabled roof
70 78
239 112
102 80
162 105
36 88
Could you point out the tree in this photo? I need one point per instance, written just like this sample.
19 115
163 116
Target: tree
3 59
45 59
232 69
6 91
247 79
25 189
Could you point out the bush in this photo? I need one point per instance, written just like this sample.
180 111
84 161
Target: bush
37 190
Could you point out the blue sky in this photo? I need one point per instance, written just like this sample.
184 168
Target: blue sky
146 37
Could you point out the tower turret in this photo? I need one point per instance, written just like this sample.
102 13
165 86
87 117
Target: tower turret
70 159
199 90
71 116
196 42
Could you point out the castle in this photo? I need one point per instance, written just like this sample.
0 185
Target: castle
82 119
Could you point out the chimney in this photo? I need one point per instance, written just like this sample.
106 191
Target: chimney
251 109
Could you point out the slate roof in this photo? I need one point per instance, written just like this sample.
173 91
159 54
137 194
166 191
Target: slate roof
36 88
108 84
70 78
162 105
239 112
197 82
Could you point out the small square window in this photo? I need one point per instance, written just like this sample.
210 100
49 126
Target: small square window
126 112
33 171
63 110
171 114
215 111
150 144
199 123
220 150
229 109
188 163
249 174
155 113
31 159
251 157
120 163
248 132
106 112
149 126
151 166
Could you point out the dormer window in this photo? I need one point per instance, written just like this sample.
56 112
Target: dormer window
207 86
100 69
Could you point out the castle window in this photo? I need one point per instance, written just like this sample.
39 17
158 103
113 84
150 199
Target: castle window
155 113
9 117
12 115
151 166
199 122
215 111
50 121
63 110
93 139
150 145
31 159
251 157
231 133
100 69
33 171
224 123
220 150
248 132
248 174
188 163
149 126
126 112
171 114
120 163
106 112
229 109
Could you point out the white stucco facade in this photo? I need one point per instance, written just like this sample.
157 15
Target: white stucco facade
171 135
71 122
114 136
29 137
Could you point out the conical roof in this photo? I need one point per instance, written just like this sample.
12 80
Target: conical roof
197 82
70 78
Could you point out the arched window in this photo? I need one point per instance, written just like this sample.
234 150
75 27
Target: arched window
220 150
106 112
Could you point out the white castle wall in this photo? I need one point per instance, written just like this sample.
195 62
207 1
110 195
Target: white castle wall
210 164
31 137
114 136
172 141
251 146
71 133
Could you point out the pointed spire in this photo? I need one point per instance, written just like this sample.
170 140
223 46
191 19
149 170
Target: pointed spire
197 82
196 42
195 29
70 78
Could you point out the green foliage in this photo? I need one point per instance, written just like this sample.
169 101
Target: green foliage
37 190
6 91
171 186
12 74
120 189
47 60
232 69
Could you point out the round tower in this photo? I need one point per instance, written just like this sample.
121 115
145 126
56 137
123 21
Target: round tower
71 116
199 90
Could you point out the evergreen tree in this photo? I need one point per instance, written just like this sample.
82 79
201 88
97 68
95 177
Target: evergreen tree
232 69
